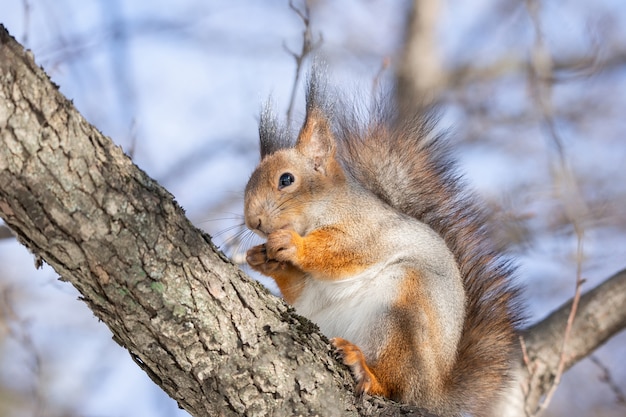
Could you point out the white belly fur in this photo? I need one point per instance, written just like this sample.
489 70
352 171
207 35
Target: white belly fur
351 308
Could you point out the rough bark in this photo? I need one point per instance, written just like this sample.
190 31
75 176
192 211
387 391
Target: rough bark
212 338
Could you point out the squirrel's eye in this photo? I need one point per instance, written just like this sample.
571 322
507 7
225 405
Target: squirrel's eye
286 180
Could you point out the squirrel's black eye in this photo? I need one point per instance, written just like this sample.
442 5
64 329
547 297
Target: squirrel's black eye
286 180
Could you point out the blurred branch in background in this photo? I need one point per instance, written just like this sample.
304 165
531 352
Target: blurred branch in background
27 390
420 76
600 318
541 81
5 232
607 378
9 326
309 44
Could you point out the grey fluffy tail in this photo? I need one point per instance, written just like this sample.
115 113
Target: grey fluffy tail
408 166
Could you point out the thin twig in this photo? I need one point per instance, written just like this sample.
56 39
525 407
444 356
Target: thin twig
570 322
527 389
132 147
384 65
541 72
308 45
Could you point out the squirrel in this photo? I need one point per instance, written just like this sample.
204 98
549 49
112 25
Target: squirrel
372 236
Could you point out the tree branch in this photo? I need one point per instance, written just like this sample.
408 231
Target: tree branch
419 74
600 316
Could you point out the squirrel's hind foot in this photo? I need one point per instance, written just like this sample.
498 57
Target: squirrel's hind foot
352 356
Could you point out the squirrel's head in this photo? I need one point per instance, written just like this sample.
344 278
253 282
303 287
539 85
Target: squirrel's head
292 186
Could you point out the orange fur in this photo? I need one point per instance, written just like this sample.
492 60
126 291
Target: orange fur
322 251
414 341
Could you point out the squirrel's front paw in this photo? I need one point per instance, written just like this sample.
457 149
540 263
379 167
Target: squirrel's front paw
281 245
258 260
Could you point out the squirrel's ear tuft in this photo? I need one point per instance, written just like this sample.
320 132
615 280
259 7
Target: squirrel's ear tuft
316 139
317 87
272 134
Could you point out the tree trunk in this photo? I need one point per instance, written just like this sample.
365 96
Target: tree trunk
212 338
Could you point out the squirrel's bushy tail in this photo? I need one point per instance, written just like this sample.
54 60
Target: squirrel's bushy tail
407 166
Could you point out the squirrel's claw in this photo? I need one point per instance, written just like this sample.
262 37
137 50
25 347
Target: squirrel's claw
258 260
352 356
256 255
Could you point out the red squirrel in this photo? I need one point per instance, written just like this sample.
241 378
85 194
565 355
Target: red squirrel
371 235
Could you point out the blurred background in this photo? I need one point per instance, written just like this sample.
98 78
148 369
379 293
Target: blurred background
532 93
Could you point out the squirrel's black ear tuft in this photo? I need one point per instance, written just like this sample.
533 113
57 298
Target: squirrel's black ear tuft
317 96
275 135
272 134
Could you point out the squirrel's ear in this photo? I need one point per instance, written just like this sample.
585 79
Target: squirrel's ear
316 139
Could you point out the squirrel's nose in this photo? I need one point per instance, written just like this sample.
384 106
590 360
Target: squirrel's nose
257 228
